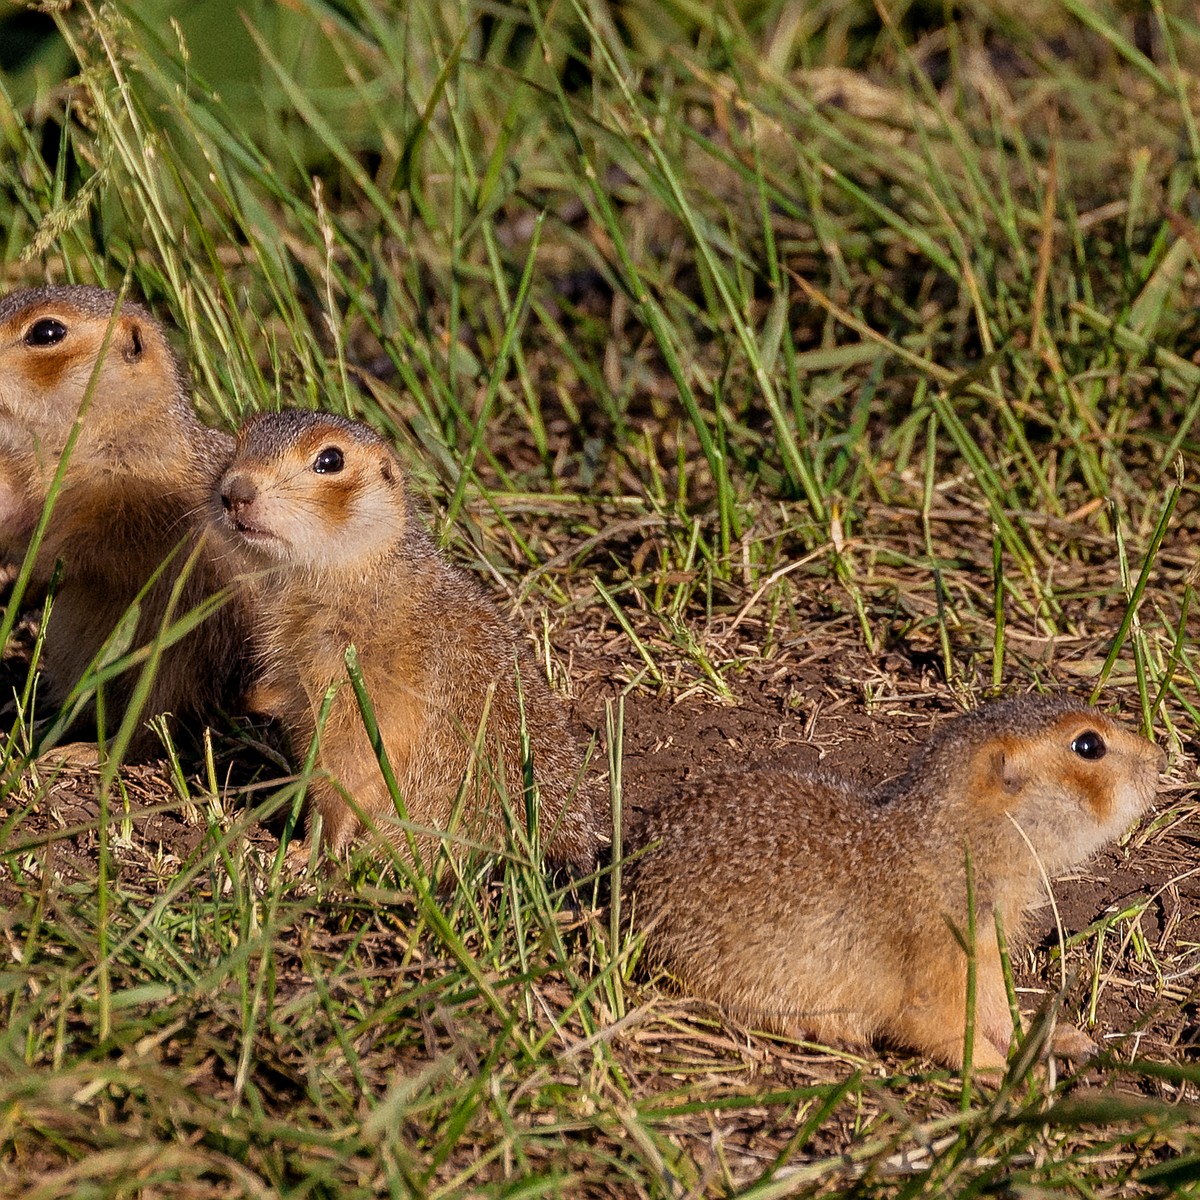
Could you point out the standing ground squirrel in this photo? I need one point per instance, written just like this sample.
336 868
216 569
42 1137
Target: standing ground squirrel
317 505
135 489
806 907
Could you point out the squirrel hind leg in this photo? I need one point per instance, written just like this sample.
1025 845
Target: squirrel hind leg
298 857
338 821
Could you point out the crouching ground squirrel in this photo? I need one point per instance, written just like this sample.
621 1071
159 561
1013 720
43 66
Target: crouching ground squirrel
803 906
317 506
135 490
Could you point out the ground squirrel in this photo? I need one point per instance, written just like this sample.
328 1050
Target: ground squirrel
136 488
803 906
317 506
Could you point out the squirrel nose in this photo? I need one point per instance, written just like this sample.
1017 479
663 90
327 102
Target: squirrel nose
237 492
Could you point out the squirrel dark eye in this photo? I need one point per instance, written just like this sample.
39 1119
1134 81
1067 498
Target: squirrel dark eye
1090 745
46 332
329 462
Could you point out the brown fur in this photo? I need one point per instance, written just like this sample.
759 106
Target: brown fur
344 559
135 489
808 908
21 493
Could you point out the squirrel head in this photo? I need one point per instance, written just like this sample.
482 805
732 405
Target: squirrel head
312 491
1067 775
59 345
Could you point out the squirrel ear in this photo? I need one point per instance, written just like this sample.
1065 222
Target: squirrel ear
132 343
1011 778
